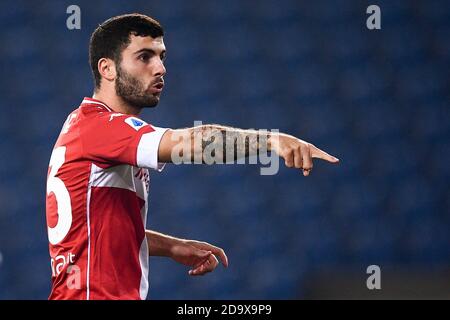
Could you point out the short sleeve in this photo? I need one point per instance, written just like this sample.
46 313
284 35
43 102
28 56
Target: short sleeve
113 138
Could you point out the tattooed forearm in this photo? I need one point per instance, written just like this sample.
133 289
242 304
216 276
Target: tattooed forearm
214 143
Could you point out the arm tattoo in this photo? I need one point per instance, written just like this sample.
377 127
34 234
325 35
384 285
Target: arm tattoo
225 143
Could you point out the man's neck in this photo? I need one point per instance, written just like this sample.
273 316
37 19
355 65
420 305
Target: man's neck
116 103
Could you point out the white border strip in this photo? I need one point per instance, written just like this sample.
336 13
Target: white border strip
88 204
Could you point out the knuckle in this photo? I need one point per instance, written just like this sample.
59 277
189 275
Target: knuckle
305 147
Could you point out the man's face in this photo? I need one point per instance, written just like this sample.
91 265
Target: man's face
139 79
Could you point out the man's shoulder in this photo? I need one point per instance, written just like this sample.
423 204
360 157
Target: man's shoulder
116 121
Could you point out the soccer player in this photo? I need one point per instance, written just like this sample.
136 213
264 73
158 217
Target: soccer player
98 178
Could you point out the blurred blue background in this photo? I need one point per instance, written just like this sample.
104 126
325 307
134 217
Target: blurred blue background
379 100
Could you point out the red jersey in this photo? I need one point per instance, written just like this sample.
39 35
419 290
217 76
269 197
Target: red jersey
96 205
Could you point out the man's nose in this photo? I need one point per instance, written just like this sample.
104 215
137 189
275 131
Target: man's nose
160 70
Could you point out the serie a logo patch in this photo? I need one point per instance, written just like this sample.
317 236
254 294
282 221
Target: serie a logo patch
135 123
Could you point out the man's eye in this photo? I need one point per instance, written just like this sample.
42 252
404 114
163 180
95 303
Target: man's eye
144 57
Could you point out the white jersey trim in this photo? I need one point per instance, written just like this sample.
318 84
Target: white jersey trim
143 260
147 151
88 222
144 257
120 176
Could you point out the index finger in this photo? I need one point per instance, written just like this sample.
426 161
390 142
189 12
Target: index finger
320 154
222 256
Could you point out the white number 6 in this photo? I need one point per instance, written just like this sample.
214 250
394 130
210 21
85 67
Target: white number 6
56 185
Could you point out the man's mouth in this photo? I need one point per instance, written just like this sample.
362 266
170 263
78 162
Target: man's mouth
158 87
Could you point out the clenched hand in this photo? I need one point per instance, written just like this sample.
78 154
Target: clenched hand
201 256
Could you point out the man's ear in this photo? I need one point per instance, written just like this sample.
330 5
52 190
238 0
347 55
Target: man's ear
107 69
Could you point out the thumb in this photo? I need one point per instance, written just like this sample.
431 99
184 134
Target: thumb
202 256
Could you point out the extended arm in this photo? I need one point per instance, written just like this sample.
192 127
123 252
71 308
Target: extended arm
200 144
